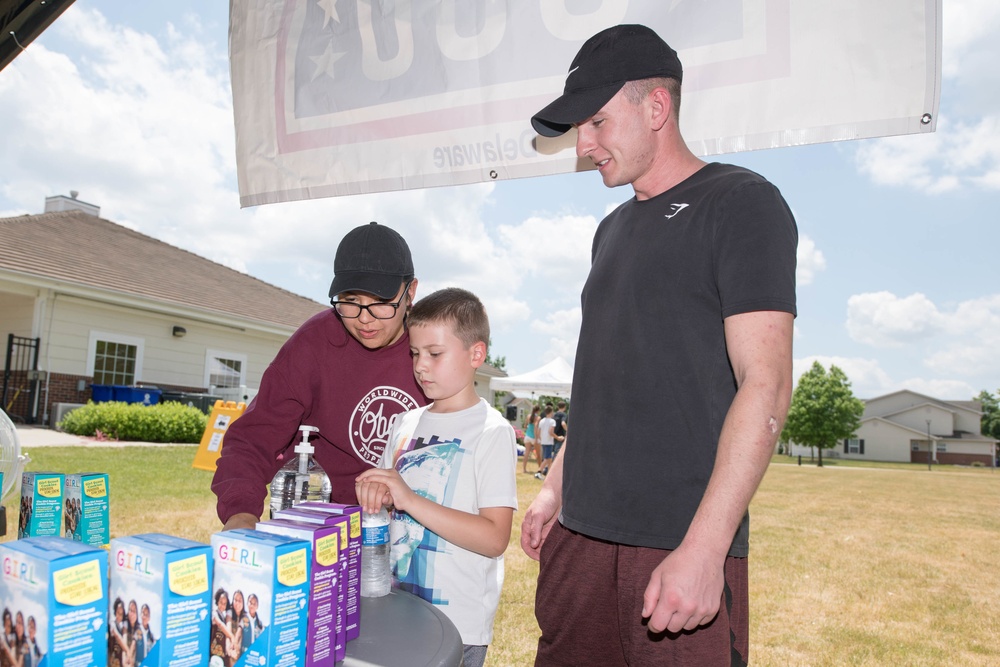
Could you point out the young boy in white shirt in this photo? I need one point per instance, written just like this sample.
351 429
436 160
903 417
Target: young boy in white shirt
448 475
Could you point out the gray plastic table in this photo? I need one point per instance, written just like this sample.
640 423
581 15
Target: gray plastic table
402 630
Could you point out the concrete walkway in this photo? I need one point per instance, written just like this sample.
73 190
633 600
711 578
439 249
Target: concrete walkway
37 436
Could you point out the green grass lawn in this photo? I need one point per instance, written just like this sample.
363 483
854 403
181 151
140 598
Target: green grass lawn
850 564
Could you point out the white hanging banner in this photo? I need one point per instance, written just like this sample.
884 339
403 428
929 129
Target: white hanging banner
336 97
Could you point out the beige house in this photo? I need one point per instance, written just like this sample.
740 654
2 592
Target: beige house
906 426
85 301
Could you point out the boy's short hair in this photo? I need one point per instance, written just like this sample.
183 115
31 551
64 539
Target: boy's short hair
455 306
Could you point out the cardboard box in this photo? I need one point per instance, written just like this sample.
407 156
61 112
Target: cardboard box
272 573
348 517
3 509
57 590
326 643
161 586
87 509
41 504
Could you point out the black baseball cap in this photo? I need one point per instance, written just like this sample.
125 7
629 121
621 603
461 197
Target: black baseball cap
373 259
604 64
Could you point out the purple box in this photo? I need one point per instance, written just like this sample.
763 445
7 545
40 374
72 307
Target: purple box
349 522
325 634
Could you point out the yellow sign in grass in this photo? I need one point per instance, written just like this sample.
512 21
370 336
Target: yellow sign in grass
223 415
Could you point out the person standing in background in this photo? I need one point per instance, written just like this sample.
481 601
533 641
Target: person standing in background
531 446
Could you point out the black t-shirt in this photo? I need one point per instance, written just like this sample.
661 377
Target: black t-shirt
560 417
652 381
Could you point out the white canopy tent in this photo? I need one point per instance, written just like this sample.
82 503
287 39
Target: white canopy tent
553 379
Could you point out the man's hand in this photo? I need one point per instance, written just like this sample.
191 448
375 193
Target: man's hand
538 520
684 591
242 520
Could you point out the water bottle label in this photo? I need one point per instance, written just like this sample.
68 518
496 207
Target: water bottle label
374 536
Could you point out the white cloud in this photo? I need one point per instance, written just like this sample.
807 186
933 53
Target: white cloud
882 319
869 380
956 390
552 253
960 341
809 261
975 338
562 328
907 161
969 26
965 149
867 377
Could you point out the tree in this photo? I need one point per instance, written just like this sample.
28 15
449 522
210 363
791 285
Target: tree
823 410
499 363
990 423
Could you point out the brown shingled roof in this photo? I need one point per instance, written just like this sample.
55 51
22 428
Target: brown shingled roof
82 249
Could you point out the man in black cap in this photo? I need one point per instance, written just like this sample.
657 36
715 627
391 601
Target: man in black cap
641 526
346 371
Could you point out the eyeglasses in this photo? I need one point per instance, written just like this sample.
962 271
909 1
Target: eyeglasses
380 310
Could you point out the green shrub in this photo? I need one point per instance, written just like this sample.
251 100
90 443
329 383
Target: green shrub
164 422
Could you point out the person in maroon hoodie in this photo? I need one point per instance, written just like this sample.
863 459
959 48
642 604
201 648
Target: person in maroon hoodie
346 371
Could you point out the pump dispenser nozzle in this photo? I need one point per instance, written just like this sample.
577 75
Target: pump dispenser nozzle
300 480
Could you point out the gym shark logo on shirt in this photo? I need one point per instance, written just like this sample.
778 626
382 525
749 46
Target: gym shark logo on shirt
674 210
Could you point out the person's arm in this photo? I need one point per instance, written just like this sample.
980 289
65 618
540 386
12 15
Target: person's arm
486 533
685 590
371 496
252 443
241 520
544 509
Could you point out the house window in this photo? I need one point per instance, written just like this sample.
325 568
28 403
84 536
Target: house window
855 446
942 448
225 370
114 359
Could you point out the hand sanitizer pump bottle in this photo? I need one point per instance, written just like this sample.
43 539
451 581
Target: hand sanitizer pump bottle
301 478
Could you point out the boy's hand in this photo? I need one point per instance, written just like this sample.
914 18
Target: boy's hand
372 496
380 487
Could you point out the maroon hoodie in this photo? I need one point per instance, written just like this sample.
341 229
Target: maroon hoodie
324 377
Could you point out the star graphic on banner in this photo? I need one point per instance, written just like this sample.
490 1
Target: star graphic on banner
325 61
329 8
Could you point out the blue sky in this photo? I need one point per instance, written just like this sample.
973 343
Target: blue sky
129 104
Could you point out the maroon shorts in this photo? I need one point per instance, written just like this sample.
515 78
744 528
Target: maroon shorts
589 607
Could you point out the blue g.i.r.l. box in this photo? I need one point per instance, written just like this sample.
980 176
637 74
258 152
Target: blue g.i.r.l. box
87 509
260 599
161 599
41 504
60 588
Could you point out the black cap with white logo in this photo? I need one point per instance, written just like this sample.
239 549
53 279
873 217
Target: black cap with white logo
604 64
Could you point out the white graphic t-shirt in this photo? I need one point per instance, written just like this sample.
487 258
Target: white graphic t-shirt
464 460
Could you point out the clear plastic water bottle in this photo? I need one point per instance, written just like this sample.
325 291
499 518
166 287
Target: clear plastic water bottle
301 478
376 579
